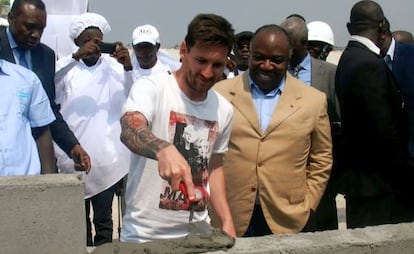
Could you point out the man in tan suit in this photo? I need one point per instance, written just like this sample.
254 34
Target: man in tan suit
279 156
320 75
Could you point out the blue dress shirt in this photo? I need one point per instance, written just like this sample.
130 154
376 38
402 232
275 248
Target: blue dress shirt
17 52
305 73
23 105
266 103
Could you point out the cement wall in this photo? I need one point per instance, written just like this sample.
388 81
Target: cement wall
45 214
384 239
42 214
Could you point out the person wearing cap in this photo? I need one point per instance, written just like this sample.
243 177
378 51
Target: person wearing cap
148 58
91 88
20 43
378 175
320 39
320 75
241 53
178 128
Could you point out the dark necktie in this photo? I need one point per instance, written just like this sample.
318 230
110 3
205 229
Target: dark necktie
388 61
22 57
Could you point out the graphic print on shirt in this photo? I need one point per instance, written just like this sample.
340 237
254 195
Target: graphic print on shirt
194 139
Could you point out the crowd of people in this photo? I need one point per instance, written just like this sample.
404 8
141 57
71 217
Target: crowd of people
254 132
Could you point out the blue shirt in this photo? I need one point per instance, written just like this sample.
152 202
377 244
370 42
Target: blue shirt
14 46
266 103
23 105
305 73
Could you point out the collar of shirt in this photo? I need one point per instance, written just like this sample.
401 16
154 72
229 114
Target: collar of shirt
256 91
4 67
237 72
367 43
305 72
12 42
14 47
306 62
265 104
391 49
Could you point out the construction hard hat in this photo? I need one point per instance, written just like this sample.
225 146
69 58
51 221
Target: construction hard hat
320 31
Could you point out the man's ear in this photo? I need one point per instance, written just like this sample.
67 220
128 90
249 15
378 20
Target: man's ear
76 41
382 27
183 49
10 18
350 28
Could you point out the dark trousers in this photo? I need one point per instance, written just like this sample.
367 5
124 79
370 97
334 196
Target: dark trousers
326 214
376 210
258 225
102 217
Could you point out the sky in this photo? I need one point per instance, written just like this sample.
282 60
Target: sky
171 17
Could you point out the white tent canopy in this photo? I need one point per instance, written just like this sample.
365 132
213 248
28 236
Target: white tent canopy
59 17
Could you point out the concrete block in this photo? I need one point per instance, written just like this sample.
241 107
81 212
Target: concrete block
42 214
384 239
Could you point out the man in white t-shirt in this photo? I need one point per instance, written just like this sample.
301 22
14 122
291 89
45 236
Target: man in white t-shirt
178 130
148 58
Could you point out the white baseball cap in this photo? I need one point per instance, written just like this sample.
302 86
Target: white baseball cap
145 33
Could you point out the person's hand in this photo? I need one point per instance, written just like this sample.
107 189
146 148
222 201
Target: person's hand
228 228
231 64
174 168
80 158
122 55
89 48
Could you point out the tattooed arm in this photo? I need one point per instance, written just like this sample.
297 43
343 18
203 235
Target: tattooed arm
138 137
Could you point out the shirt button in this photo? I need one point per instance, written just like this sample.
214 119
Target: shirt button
253 189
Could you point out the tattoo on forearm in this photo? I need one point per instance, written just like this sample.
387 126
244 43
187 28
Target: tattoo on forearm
138 137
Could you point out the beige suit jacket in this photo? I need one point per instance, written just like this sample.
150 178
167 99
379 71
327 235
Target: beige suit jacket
288 164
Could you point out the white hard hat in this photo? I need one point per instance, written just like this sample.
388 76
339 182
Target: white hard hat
320 31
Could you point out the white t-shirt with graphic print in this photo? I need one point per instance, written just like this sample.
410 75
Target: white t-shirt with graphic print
197 129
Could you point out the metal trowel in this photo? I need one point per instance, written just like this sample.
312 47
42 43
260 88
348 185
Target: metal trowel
194 227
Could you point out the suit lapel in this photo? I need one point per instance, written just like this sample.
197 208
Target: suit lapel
317 74
6 52
287 105
36 56
243 101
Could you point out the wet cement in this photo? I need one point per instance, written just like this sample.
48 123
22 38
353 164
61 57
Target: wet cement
192 243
